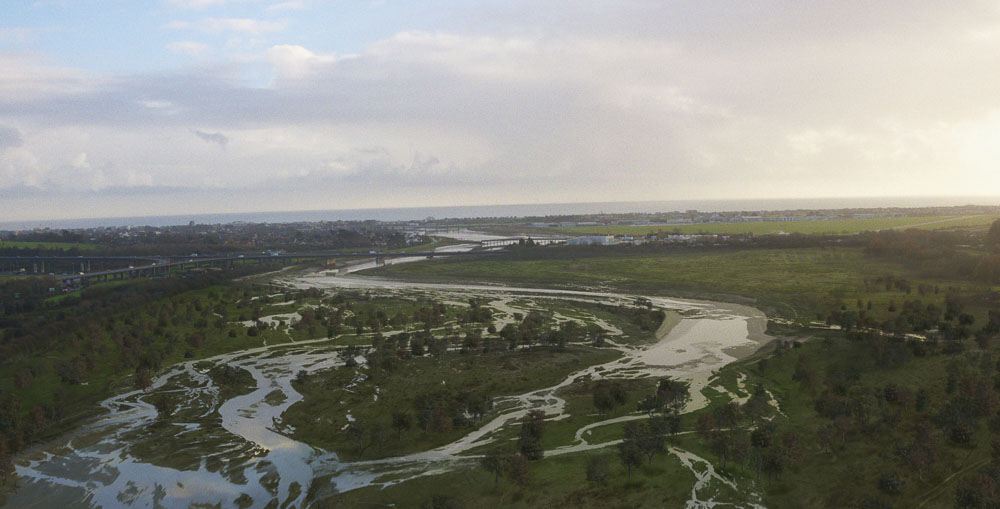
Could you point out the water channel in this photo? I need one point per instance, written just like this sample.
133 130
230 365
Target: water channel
247 460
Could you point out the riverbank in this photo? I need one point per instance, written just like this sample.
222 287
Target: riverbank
268 450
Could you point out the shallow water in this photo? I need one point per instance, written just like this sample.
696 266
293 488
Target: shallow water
250 456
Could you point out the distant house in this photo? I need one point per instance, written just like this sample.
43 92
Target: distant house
588 240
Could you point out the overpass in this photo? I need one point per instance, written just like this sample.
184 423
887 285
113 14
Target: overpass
513 241
140 266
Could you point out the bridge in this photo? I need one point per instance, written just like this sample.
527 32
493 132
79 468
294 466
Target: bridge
141 266
513 241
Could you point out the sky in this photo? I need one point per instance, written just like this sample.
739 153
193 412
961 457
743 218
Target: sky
130 107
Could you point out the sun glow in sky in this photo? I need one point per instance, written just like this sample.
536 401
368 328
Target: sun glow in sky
177 106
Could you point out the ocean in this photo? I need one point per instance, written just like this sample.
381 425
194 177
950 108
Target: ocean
507 211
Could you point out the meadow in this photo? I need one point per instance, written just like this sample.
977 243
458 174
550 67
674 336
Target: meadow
802 284
833 226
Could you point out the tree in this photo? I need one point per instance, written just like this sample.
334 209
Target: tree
650 442
805 373
143 379
773 464
509 334
378 433
739 447
478 405
727 415
761 440
630 455
530 441
921 400
890 483
758 404
923 453
495 463
705 425
6 467
517 469
720 443
357 432
825 435
441 501
164 405
993 236
598 469
604 401
650 404
673 393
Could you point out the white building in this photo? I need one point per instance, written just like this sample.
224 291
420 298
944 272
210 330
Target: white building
587 240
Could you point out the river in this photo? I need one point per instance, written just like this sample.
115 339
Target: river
238 454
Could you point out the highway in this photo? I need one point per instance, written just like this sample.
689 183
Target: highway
140 266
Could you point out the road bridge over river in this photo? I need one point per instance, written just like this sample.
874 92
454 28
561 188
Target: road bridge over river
150 266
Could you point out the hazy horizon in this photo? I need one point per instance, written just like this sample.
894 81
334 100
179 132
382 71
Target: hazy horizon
508 210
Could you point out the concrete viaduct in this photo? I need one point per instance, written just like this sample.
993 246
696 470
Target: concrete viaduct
163 265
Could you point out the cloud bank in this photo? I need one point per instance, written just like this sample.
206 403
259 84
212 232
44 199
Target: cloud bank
521 102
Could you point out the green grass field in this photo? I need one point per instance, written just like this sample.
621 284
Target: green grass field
836 226
556 482
820 480
791 283
505 373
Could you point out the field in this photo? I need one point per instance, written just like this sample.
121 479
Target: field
798 284
867 453
556 482
841 415
506 373
835 226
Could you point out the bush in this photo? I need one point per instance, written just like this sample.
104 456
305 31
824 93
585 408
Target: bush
890 483
599 469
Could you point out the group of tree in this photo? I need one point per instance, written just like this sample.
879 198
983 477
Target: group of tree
642 441
514 465
919 426
941 253
94 337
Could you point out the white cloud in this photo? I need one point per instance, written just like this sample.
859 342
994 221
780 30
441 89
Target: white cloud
10 138
25 78
192 48
80 161
22 35
293 62
197 4
286 6
221 25
639 101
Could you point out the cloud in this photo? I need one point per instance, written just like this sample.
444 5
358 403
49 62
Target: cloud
541 102
217 138
23 78
22 35
197 4
191 48
285 6
296 62
9 138
221 25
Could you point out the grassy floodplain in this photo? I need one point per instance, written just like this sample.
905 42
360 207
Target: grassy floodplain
833 226
873 421
505 373
799 284
863 418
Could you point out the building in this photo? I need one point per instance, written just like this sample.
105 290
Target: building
589 240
